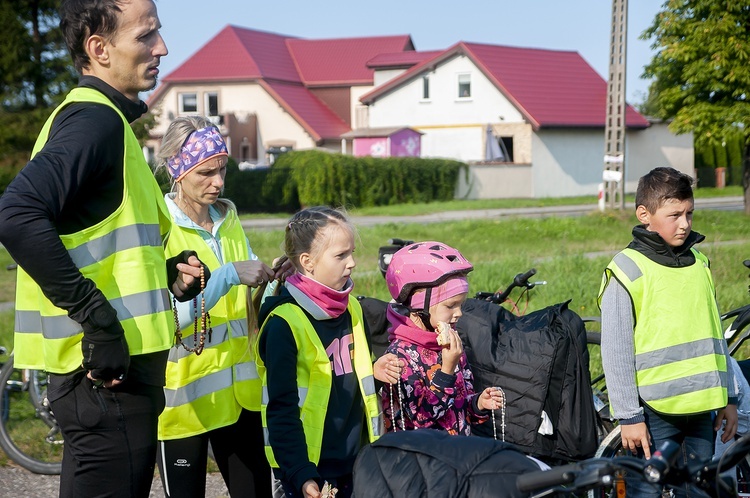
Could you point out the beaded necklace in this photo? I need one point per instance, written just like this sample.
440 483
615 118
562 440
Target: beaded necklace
502 419
205 321
400 405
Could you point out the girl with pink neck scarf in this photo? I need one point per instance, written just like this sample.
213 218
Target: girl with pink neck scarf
319 401
428 283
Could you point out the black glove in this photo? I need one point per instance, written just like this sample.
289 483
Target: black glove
172 273
105 350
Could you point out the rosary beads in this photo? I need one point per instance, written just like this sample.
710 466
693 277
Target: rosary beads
502 419
205 325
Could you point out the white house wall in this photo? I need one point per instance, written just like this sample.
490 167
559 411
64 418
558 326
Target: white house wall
655 147
452 126
570 162
275 124
381 76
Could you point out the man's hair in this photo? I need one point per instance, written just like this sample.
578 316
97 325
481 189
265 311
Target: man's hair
80 19
661 184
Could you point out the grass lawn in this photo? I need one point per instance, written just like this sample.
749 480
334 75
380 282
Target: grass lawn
569 253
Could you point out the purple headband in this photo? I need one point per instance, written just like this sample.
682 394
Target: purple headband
199 147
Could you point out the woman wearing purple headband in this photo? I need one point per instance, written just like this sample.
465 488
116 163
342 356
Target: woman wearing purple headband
212 387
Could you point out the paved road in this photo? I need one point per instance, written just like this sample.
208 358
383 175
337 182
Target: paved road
721 203
16 482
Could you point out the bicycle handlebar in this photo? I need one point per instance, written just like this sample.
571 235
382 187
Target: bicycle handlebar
400 242
543 479
520 280
664 467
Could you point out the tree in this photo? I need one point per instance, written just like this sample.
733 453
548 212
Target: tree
701 72
35 73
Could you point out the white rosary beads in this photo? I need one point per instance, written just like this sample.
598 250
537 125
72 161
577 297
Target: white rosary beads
502 419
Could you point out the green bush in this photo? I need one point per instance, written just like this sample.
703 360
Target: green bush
341 180
706 177
266 190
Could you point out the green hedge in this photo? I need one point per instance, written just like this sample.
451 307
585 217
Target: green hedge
342 180
311 178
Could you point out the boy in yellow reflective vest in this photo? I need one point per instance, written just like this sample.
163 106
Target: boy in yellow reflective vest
663 351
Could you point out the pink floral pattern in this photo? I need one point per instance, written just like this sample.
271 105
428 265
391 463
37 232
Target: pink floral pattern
427 404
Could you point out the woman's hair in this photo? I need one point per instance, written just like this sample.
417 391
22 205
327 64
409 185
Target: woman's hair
661 184
80 19
306 231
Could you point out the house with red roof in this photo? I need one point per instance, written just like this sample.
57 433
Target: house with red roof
269 91
529 122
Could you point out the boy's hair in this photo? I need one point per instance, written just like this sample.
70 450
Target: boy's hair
80 19
661 184
304 230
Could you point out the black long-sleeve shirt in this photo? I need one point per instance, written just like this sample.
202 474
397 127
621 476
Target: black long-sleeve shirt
74 182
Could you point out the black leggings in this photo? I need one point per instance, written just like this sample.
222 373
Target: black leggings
238 450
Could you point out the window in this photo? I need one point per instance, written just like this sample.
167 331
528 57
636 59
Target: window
188 102
212 104
425 87
506 145
464 86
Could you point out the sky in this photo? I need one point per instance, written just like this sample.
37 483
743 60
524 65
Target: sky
578 25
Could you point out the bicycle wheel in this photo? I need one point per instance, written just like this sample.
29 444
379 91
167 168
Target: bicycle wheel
29 434
610 447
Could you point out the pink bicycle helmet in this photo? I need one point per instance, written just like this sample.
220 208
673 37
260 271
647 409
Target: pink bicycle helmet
423 265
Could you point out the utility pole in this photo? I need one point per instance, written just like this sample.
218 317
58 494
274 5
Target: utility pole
614 128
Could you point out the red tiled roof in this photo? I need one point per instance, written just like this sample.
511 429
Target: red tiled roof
342 61
238 54
317 118
401 59
551 88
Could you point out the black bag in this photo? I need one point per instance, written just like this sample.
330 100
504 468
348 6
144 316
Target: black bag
433 463
373 311
541 361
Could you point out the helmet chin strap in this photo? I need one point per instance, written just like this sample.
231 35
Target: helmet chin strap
424 313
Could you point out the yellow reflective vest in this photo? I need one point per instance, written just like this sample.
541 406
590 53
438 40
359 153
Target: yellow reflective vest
314 377
208 391
122 255
680 351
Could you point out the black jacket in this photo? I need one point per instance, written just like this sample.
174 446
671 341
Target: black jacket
434 463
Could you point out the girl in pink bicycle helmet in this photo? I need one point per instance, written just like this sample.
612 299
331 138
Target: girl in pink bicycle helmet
427 281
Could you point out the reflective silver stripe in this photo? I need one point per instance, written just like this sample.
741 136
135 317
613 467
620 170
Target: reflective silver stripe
368 384
683 385
218 336
301 392
375 422
628 266
61 327
246 371
266 439
120 239
141 304
28 322
679 352
200 387
238 328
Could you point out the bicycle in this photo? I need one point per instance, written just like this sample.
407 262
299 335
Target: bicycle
29 433
663 469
